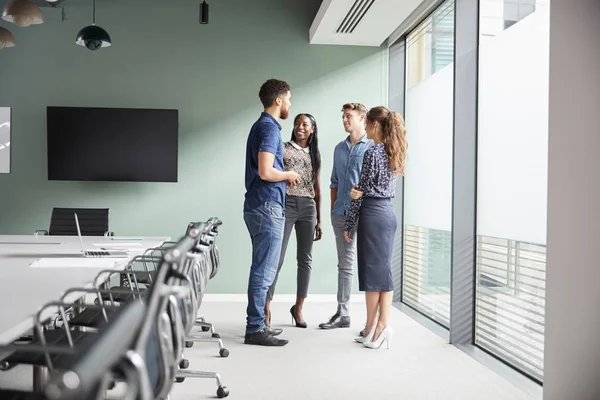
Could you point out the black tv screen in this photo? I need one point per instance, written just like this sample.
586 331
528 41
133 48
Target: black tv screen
112 144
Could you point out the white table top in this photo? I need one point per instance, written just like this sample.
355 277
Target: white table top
24 290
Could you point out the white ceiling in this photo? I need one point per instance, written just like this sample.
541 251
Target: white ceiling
382 18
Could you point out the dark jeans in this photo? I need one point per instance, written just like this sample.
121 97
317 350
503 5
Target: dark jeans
265 225
300 212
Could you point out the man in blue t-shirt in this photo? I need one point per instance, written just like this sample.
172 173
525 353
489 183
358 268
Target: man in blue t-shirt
266 183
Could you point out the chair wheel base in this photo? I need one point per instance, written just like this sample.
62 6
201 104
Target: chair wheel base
216 336
184 364
205 329
189 344
179 380
222 391
224 352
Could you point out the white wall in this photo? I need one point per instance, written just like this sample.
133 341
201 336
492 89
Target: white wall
4 140
572 351
513 131
428 180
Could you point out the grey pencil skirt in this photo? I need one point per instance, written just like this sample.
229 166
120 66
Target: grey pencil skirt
375 241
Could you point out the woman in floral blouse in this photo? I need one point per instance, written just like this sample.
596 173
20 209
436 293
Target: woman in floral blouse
371 209
302 208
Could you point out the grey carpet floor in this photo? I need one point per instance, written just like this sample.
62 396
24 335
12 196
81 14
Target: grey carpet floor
319 364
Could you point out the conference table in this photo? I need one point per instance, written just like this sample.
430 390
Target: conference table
36 270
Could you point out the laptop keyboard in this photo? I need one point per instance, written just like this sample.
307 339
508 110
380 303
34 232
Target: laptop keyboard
97 253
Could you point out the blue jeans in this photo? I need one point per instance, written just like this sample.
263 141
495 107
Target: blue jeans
265 225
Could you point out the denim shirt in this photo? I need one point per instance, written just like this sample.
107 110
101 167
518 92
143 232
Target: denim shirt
347 164
265 136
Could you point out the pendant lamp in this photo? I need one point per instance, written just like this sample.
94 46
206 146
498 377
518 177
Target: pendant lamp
6 38
93 37
23 13
204 13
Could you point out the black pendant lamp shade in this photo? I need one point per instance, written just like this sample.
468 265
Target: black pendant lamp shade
204 12
92 36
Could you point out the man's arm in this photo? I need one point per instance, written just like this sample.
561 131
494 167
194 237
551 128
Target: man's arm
333 197
334 183
269 144
268 173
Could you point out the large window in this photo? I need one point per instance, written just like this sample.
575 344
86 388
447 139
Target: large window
430 46
511 181
488 107
498 15
428 182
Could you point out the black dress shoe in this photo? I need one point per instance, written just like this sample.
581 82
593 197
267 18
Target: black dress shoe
336 321
262 338
273 331
331 320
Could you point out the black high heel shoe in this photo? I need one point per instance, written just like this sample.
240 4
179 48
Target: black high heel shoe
294 321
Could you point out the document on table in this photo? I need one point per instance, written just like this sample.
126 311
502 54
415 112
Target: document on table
76 262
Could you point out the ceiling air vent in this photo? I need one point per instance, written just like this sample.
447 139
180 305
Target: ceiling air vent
354 16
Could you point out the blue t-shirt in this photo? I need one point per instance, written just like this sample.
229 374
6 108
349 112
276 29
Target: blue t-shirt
265 136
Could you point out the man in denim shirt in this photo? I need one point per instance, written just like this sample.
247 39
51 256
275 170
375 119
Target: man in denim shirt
263 208
347 164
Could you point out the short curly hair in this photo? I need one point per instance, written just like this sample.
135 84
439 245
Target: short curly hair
271 90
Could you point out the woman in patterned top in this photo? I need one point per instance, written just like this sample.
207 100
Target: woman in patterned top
302 208
372 207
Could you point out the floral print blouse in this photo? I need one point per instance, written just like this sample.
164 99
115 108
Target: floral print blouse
376 180
296 158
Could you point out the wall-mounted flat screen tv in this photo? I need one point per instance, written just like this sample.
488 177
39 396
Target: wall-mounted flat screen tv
112 144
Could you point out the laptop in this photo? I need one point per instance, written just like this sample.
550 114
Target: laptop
99 252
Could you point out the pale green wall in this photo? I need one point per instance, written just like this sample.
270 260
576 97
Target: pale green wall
162 58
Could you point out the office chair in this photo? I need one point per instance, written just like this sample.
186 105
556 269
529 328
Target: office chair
165 325
192 270
208 244
83 373
93 222
146 264
185 308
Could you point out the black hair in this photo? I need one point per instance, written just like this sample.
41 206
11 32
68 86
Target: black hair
313 144
271 90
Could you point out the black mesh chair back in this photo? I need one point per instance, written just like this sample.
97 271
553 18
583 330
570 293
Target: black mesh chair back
92 221
98 356
156 341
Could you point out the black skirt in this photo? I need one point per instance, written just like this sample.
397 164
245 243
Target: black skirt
375 234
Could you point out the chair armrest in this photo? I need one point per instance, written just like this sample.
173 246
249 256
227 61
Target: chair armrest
97 291
36 348
42 231
130 275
